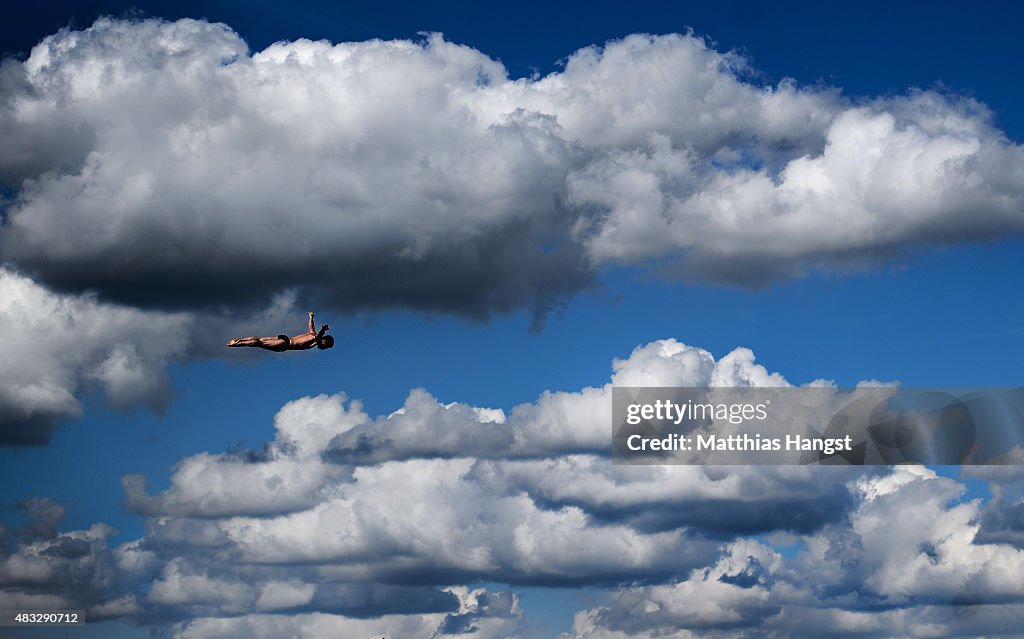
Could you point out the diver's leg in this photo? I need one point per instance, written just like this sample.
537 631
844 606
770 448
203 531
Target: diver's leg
273 343
269 343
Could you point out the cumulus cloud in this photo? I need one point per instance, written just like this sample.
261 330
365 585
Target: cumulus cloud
288 476
892 173
547 511
290 540
734 592
60 345
554 450
47 569
905 561
557 423
79 569
419 174
479 614
163 165
355 168
1002 519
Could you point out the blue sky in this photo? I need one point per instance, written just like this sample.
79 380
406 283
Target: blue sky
940 313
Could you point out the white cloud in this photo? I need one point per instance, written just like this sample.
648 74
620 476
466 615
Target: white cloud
420 174
710 598
308 626
558 422
176 586
905 562
46 569
932 555
283 542
455 492
277 595
163 165
60 344
355 167
288 476
480 615
892 173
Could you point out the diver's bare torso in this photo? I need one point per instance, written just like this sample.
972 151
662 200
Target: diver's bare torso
302 342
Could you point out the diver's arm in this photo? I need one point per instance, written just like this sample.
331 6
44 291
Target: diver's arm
320 335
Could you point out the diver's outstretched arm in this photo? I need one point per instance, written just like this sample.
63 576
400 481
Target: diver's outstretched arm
312 326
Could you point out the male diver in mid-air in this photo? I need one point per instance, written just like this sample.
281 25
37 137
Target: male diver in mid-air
282 343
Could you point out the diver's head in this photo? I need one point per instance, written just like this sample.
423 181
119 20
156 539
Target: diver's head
326 342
